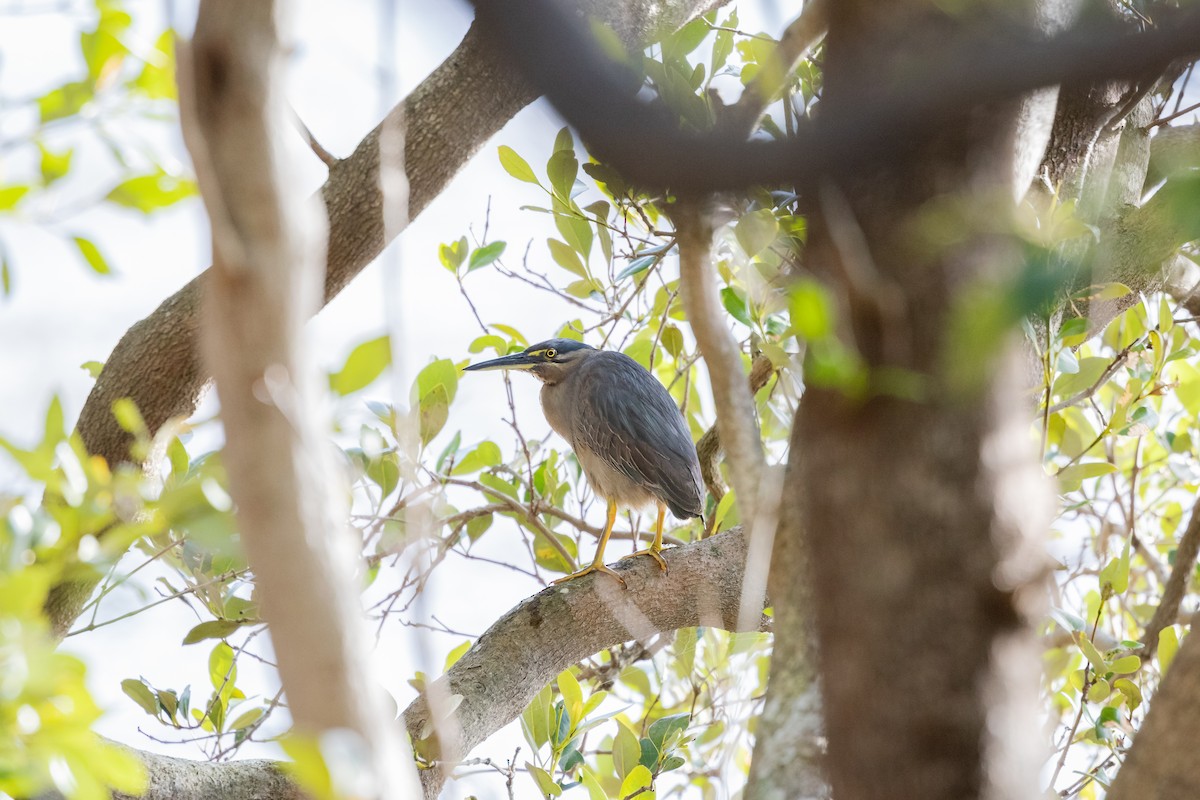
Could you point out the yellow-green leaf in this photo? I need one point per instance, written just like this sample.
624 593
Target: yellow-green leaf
516 166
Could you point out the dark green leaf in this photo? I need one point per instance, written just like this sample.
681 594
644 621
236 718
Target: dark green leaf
735 304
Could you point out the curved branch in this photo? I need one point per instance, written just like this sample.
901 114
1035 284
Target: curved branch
561 625
736 418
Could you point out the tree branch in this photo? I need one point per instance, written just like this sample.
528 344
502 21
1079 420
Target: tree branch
736 423
1177 585
890 118
266 280
562 625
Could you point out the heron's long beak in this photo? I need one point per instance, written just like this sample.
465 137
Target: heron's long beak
514 361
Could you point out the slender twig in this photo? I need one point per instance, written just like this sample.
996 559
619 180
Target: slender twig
327 158
1175 115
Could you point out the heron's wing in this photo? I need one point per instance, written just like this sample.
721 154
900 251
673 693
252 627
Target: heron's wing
626 417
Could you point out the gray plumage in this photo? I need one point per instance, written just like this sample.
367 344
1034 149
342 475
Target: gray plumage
625 429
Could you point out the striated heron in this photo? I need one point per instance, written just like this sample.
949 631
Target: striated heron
627 433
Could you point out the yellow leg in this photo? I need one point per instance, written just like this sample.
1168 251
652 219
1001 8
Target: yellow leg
656 547
598 562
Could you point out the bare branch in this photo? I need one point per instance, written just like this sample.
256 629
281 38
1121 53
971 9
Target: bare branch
736 422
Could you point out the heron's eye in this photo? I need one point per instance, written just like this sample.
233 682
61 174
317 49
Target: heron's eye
551 353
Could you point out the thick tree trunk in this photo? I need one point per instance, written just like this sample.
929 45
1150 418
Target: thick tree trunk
921 496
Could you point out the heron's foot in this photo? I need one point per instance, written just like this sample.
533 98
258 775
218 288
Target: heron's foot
593 568
653 552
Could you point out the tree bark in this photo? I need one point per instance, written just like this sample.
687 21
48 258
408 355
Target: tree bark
268 245
1162 763
921 499
450 115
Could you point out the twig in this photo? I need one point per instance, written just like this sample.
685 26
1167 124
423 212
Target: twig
327 158
1176 115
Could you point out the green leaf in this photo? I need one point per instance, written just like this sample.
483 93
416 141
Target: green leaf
575 230
140 693
148 193
563 140
497 343
566 258
1091 654
1126 665
1168 646
735 304
487 454
756 231
672 340
441 372
479 526
54 165
626 751
637 266
212 629
434 410
638 778
482 256
221 668
535 719
545 783
561 169
363 366
64 101
1117 578
1072 477
92 255
246 719
516 166
454 655
572 692
452 255
660 731
157 78
11 195
810 309
92 368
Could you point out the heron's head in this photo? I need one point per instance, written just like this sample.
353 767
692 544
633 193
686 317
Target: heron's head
551 361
